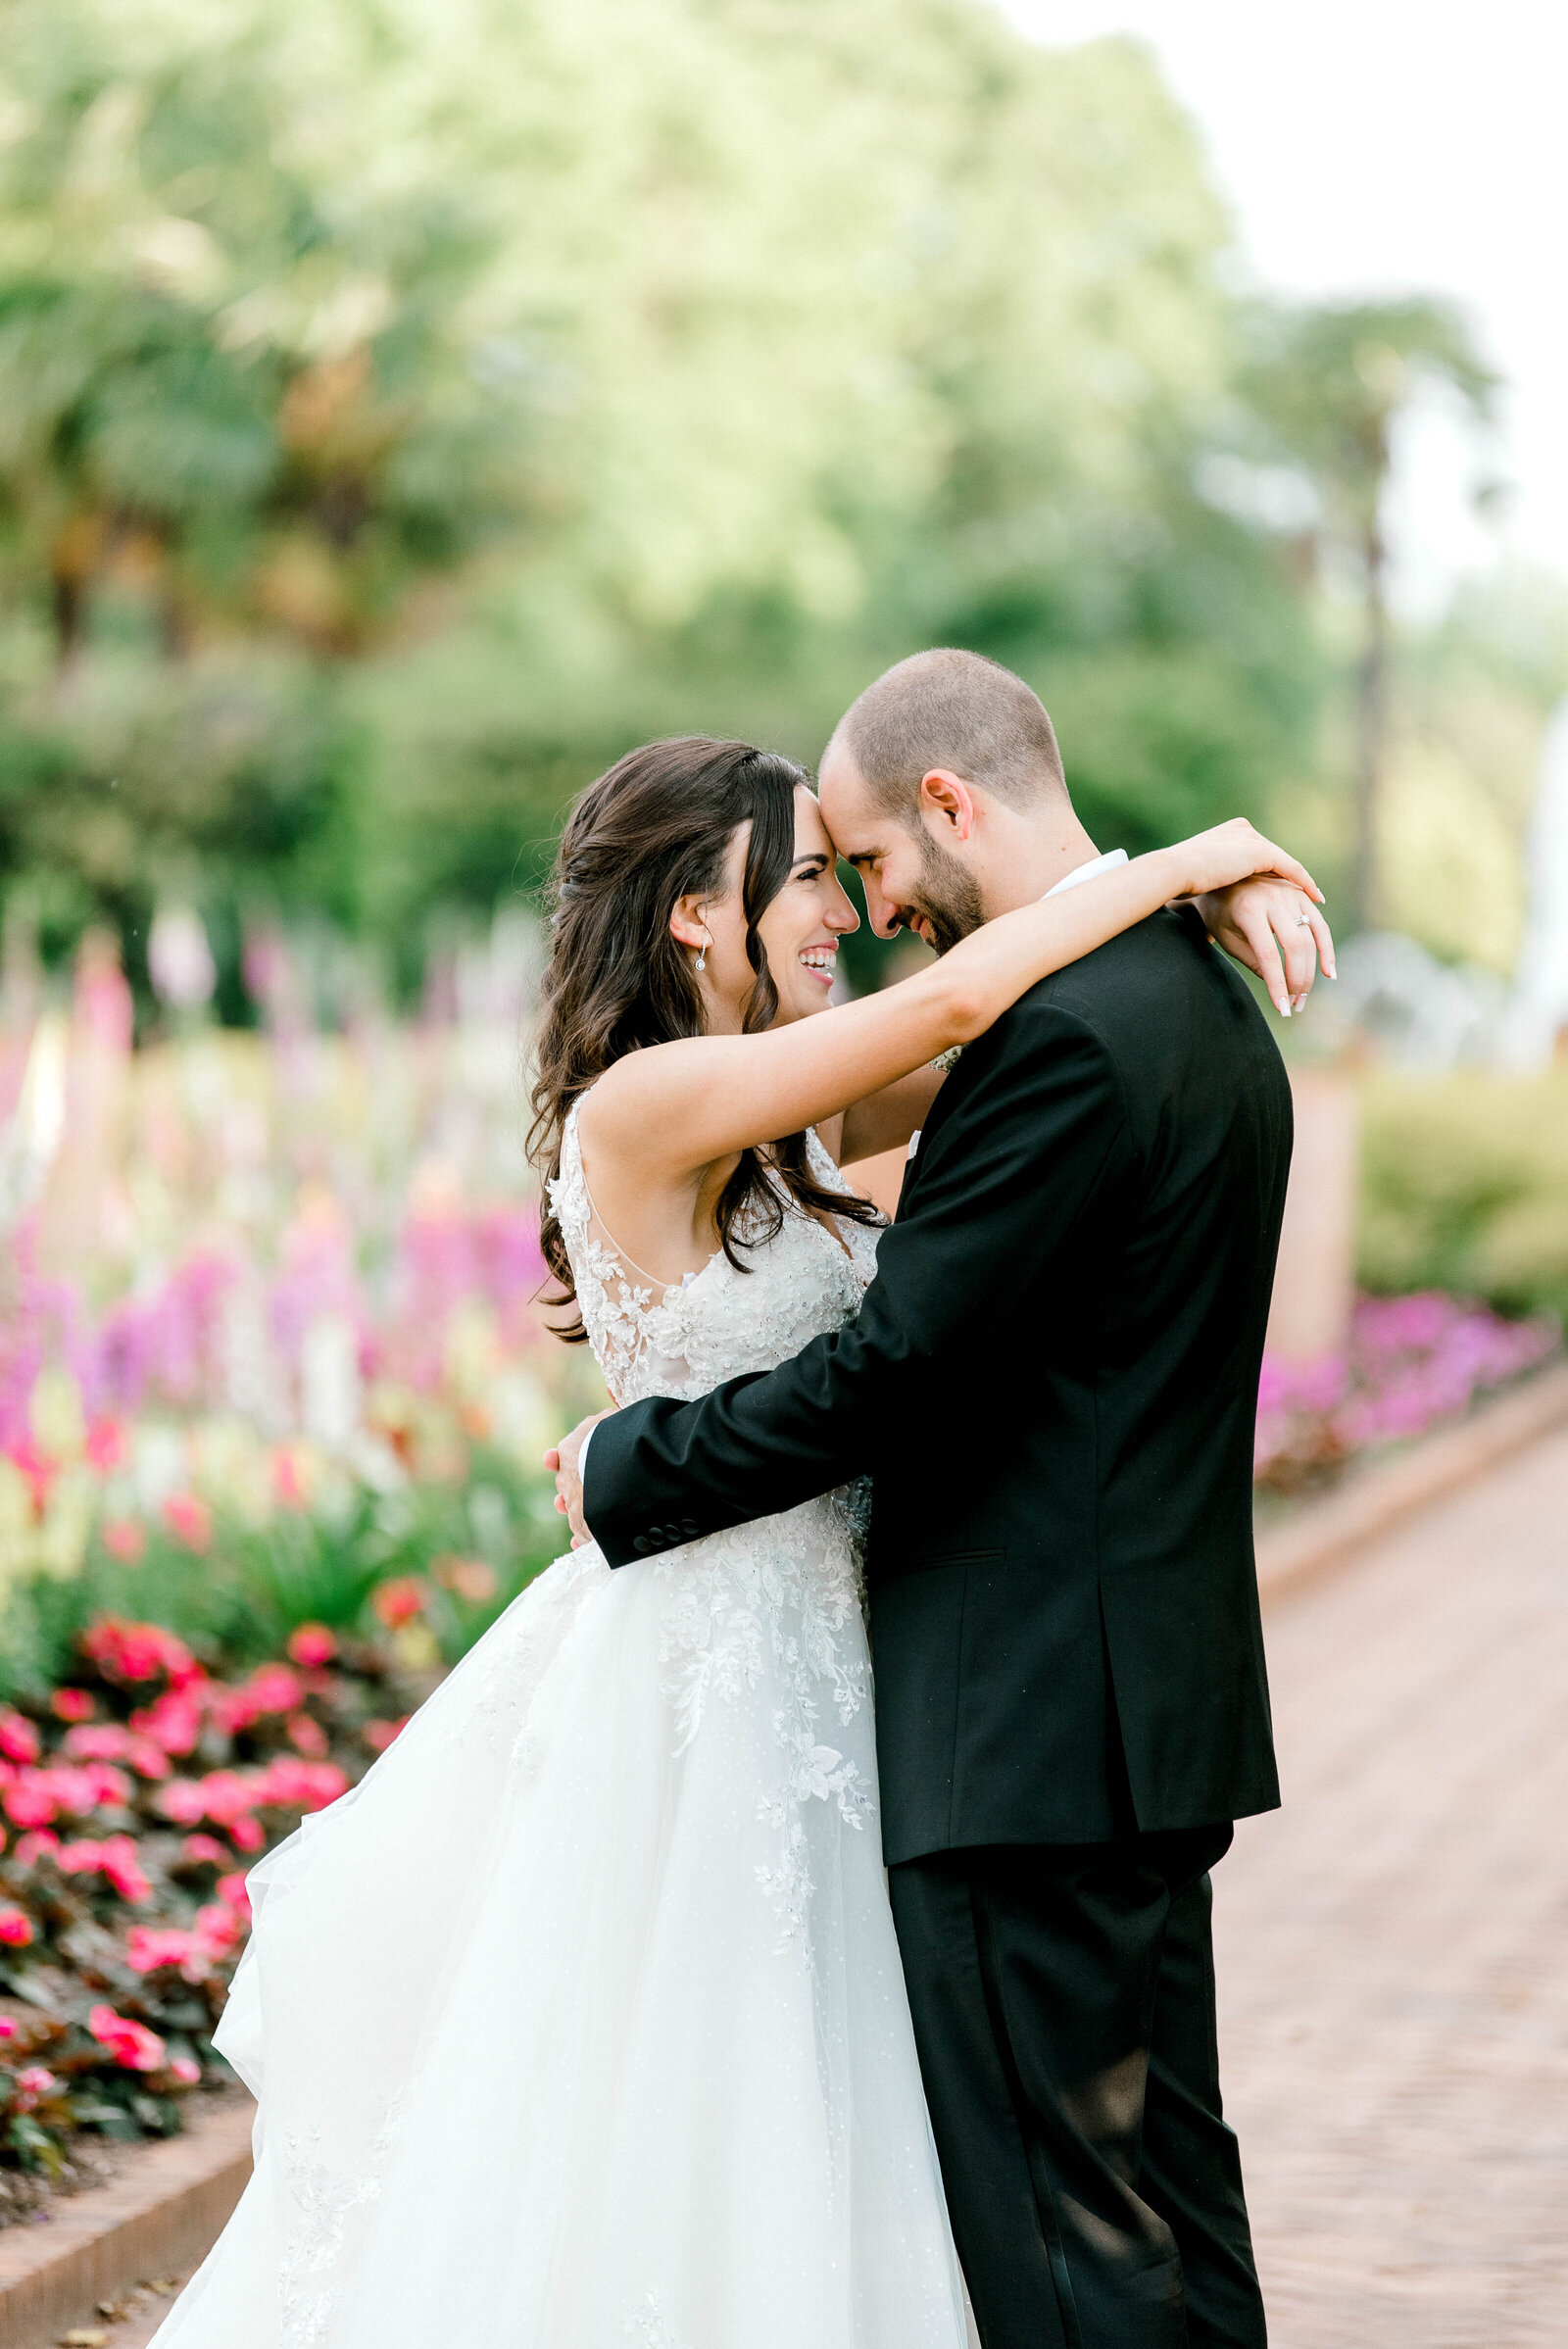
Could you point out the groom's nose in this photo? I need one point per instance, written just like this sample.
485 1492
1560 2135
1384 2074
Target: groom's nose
885 918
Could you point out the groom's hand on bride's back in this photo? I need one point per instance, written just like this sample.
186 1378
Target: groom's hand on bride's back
565 1458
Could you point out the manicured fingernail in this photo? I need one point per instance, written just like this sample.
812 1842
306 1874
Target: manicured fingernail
1285 1008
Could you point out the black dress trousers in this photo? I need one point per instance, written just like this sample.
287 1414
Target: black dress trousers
1064 2003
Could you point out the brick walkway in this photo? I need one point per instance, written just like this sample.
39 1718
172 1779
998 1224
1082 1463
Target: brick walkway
1394 1945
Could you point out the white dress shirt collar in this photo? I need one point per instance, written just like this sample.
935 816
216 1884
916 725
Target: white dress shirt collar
1090 871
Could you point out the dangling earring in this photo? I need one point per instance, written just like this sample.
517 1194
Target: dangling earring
701 959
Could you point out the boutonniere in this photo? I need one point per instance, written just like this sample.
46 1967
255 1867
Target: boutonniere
950 1058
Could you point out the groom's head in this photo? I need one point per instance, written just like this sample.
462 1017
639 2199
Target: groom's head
943 786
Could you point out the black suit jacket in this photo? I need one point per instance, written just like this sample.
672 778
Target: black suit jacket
1052 1382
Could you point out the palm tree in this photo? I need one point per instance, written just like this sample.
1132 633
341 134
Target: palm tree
1330 382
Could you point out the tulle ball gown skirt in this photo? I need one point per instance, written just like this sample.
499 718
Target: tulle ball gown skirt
580 2023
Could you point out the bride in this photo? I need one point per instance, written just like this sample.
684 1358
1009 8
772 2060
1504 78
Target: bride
580 2022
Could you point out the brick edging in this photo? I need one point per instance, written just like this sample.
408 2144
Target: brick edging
159 2217
1328 1533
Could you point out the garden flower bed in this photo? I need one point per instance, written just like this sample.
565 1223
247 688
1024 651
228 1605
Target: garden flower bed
1412 1363
133 1799
272 1398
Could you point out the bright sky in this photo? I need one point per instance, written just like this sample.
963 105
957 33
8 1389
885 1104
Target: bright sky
1374 147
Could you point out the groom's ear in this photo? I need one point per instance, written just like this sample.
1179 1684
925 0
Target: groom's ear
947 803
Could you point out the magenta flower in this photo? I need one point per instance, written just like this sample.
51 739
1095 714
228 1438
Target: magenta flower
16 1927
33 2084
190 1520
182 1801
400 1601
19 1738
128 2043
313 1646
232 1889
150 1948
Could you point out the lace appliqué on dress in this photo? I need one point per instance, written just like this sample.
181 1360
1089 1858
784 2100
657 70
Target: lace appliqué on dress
324 2200
772 1602
650 2324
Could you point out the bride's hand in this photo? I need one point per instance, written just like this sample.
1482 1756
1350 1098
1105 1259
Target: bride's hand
1273 928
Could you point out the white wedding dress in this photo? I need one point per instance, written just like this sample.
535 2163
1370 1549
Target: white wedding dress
580 2022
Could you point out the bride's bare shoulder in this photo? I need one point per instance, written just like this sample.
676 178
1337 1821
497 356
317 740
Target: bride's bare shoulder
631 1108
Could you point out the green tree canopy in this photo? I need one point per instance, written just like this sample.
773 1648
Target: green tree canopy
461 392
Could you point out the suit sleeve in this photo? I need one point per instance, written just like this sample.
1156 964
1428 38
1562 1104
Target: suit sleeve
1001 1187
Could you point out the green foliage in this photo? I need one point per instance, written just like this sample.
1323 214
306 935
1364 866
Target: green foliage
407 408
1330 379
1464 1187
235 1605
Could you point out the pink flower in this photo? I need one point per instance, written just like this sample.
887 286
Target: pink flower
131 1652
149 1948
72 1704
106 1445
307 1737
203 1851
96 1741
246 1835
274 1688
123 1869
227 1797
172 1721
300 1786
32 1846
29 1803
190 1520
107 1741
287 1480
182 1801
111 1787
186 2070
217 1929
125 1539
32 2083
379 1734
16 1927
36 1798
129 2043
83 1858
8 2030
313 1646
399 1601
19 1738
232 1889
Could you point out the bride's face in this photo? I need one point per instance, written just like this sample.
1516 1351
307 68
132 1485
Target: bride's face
799 930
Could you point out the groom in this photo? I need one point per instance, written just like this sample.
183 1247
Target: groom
1053 1384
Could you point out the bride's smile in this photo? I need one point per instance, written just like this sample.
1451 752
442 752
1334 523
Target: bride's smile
799 930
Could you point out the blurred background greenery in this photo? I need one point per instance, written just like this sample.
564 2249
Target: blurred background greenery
404 408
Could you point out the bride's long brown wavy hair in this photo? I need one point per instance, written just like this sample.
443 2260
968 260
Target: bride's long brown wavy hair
655 827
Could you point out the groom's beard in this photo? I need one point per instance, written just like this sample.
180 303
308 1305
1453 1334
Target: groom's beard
949 897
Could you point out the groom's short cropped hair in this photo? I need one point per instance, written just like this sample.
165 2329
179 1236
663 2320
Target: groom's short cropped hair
954 709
